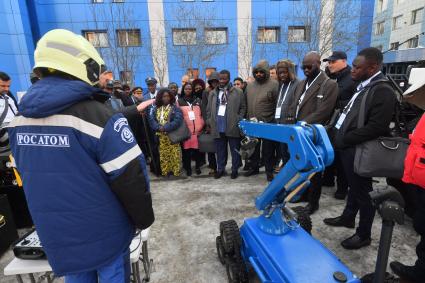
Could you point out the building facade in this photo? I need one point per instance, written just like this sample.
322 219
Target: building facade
167 39
399 31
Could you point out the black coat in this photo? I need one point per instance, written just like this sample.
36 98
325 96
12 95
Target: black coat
346 86
380 108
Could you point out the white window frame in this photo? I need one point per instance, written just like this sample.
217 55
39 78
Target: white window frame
397 22
264 34
189 34
378 30
127 43
97 42
296 38
413 42
213 39
415 19
382 5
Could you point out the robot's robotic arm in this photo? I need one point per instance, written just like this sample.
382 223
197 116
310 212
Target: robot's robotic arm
310 152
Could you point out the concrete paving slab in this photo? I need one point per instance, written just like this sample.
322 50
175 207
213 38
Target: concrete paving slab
189 210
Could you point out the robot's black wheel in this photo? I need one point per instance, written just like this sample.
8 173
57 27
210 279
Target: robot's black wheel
229 233
232 270
303 218
220 250
236 272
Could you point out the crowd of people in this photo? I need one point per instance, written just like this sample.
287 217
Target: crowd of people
274 94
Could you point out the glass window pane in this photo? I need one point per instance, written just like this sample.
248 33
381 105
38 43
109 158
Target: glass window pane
184 36
268 34
216 36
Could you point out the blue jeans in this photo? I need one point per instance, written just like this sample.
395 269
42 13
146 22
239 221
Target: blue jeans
221 150
118 271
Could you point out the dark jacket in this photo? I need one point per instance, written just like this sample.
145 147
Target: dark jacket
346 86
84 176
289 100
380 107
262 97
235 111
319 100
174 119
204 102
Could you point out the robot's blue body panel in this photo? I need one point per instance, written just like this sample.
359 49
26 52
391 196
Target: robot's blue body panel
294 257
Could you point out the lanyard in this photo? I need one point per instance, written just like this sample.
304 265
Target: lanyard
223 95
307 86
284 96
162 112
351 103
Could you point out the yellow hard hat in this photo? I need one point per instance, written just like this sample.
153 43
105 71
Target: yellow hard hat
69 53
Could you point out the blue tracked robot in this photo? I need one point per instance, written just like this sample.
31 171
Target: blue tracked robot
273 244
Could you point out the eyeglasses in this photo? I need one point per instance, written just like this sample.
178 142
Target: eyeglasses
306 67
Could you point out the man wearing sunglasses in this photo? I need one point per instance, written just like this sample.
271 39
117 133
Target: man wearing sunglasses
262 96
314 103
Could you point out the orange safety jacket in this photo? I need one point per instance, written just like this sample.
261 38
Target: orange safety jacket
414 164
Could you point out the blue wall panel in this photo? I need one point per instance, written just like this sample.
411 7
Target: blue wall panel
27 20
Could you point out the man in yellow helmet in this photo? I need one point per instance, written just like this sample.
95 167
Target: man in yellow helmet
83 173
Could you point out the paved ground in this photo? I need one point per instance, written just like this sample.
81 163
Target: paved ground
189 210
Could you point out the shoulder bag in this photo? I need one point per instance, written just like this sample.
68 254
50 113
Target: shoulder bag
381 157
180 134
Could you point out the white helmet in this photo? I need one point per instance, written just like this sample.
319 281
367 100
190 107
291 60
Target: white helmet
65 51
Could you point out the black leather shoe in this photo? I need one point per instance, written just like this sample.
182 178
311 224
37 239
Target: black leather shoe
198 171
251 172
189 172
340 222
246 167
407 272
234 175
328 183
270 177
219 174
340 195
311 208
355 242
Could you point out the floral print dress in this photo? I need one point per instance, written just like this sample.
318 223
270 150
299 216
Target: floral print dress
169 154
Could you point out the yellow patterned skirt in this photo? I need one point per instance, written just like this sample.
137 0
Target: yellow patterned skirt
169 156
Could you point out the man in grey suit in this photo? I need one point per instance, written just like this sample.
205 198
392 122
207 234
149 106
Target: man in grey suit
314 102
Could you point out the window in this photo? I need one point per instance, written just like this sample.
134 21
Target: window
215 35
298 34
128 37
397 22
379 28
413 42
268 34
98 38
382 5
417 16
126 77
209 70
184 36
394 45
97 1
193 73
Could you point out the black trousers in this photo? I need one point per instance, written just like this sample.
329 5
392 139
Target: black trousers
314 191
358 198
212 161
268 154
419 225
335 169
284 153
187 155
